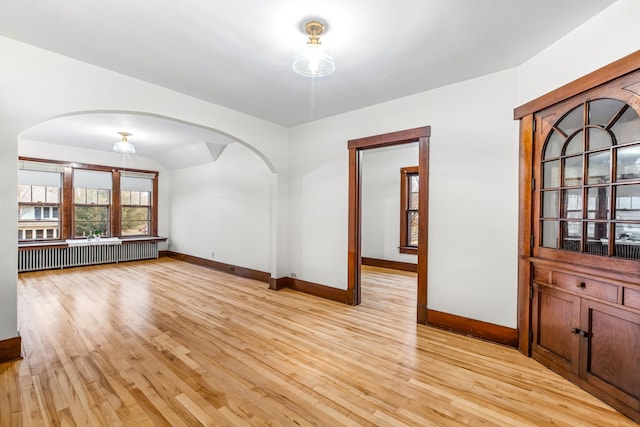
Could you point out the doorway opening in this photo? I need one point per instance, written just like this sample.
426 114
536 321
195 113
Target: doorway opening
356 147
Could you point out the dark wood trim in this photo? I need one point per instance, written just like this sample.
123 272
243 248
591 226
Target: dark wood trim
524 232
154 207
420 135
404 207
66 208
220 266
279 283
598 77
322 291
10 349
409 250
392 138
474 328
116 204
395 265
76 165
163 253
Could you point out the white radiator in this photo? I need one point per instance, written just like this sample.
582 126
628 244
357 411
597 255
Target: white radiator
74 256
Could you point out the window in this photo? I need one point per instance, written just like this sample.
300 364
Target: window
60 201
39 197
135 199
409 196
590 169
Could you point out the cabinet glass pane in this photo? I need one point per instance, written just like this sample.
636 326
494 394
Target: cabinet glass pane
550 204
550 234
627 127
602 111
554 145
574 146
572 171
598 203
628 164
572 121
628 202
572 204
599 138
571 235
551 174
598 167
597 238
627 241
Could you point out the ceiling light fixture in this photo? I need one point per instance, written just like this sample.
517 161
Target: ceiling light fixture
124 146
312 60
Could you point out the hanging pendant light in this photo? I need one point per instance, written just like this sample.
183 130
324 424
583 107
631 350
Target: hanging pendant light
313 60
124 146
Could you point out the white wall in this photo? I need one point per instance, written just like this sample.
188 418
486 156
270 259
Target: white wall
224 208
37 85
380 203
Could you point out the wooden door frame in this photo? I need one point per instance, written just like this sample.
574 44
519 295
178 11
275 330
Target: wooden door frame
421 136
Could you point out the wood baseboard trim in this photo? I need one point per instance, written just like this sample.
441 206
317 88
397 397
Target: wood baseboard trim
163 253
473 328
220 266
10 349
315 289
395 265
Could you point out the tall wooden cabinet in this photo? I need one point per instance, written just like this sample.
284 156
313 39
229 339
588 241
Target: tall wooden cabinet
579 249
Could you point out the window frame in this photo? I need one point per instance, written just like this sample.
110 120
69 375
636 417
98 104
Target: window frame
405 199
67 200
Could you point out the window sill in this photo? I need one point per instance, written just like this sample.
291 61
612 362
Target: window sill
63 244
408 250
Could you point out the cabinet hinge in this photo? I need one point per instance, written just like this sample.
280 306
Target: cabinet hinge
531 241
530 291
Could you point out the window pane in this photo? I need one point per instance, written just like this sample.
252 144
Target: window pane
551 174
574 146
554 145
135 197
53 195
598 170
28 234
79 195
572 121
598 203
145 198
627 241
24 193
39 234
125 197
597 238
599 138
135 221
627 128
38 194
628 164
628 202
571 235
413 229
104 197
413 201
550 234
572 204
414 181
550 204
573 171
89 219
602 111
92 196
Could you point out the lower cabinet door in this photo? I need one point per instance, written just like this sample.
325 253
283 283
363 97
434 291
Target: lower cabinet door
612 349
555 325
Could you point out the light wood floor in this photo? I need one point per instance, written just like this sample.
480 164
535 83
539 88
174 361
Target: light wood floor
169 343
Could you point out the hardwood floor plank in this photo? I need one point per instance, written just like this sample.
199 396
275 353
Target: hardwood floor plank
164 342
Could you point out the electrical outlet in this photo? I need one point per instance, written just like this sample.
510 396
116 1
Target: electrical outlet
294 275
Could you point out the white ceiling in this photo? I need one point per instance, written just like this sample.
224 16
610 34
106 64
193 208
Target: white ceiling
238 53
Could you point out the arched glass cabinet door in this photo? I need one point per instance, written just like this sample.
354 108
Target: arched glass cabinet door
590 173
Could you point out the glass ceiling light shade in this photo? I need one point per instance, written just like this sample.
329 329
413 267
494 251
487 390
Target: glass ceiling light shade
124 146
312 60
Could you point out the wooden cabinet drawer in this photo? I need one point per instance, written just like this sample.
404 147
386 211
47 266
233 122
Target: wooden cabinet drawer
632 298
586 287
